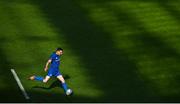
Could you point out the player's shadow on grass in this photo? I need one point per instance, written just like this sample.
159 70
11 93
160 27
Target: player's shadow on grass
55 84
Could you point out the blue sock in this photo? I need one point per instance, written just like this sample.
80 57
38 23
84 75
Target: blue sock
38 78
64 86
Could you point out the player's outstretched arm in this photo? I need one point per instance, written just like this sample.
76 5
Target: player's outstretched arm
47 64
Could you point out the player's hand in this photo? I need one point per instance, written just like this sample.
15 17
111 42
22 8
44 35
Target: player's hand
45 69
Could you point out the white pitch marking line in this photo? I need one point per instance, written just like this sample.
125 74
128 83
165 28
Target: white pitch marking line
19 84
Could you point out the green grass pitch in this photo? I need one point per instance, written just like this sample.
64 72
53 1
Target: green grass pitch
114 50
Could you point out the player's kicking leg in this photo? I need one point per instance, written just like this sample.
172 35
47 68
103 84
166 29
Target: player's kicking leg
38 78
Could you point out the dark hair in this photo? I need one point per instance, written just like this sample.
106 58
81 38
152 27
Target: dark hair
58 49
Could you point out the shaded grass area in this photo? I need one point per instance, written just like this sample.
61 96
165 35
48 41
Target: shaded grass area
156 59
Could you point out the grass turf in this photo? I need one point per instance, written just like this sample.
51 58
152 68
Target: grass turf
114 51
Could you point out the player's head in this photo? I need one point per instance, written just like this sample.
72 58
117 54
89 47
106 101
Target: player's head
59 51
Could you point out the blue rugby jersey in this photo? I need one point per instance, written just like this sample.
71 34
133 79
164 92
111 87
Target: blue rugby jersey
55 60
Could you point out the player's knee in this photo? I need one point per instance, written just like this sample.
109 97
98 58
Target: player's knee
63 81
44 81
